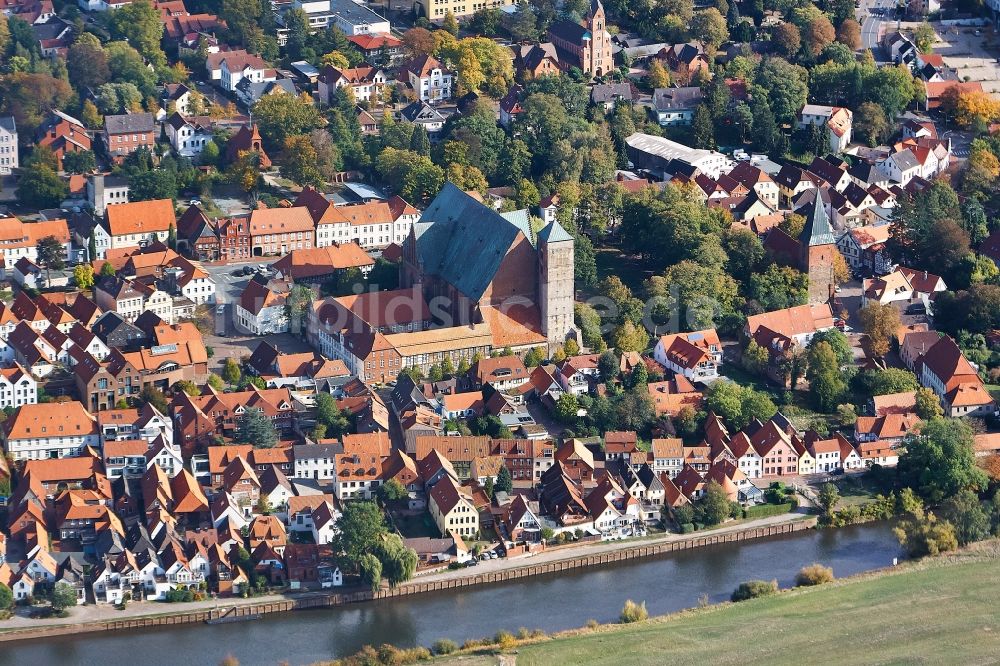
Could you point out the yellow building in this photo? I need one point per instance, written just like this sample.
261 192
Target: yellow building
452 508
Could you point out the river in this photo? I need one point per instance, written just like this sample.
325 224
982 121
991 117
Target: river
551 603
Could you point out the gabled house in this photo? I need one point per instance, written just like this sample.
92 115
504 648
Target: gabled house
695 356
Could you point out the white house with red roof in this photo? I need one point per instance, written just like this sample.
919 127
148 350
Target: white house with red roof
429 79
836 119
696 355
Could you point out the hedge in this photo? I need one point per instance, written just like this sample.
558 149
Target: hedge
768 510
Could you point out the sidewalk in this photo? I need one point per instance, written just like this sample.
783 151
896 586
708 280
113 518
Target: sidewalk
104 613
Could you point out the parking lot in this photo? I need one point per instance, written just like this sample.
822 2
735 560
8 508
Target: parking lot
974 56
239 347
229 280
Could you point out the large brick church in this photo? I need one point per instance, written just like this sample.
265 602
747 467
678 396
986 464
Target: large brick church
475 265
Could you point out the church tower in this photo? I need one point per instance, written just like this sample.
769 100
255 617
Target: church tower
555 282
818 250
600 58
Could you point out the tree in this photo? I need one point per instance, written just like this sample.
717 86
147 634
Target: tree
83 276
975 107
231 371
924 534
567 408
738 405
300 161
216 382
818 34
255 428
880 323
630 337
392 491
418 42
938 462
63 596
140 25
838 342
884 381
505 482
28 97
450 23
360 526
849 34
924 36
82 161
755 358
709 27
281 116
713 506
40 187
926 404
657 74
244 172
871 124
107 270
786 86
702 128
187 386
828 497
639 377
329 415
370 570
6 597
786 39
826 382
966 514
51 254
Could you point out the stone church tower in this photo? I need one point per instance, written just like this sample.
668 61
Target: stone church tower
818 250
555 282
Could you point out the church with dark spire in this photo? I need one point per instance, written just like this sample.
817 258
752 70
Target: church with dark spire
819 249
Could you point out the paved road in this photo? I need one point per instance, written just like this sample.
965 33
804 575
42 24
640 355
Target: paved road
871 25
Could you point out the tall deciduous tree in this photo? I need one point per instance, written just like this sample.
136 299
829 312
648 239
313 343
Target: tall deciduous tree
880 323
51 254
938 461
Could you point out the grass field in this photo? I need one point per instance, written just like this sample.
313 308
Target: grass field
944 612
853 490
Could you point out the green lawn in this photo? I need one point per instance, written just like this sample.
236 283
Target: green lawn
854 491
939 613
612 261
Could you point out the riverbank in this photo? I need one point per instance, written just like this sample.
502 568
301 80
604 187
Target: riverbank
87 619
939 610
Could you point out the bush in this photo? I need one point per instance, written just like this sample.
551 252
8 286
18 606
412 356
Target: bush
505 640
755 588
687 528
592 624
814 574
633 612
444 646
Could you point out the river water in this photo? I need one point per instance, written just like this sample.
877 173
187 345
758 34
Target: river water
551 603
